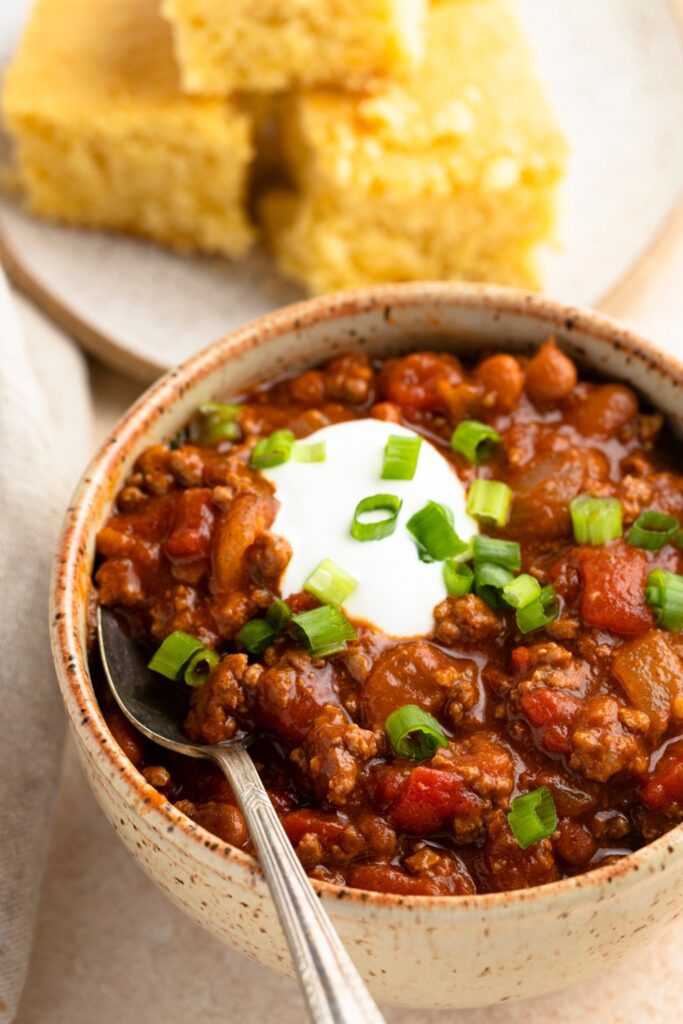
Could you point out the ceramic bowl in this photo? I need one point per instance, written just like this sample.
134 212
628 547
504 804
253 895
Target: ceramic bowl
416 951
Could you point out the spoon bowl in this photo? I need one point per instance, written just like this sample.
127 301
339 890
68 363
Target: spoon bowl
156 708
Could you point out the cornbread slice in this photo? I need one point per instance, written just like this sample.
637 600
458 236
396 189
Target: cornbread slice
450 175
266 45
105 138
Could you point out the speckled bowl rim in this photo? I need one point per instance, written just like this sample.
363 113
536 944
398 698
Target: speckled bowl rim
65 599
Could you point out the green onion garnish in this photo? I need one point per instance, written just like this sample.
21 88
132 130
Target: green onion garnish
414 733
274 450
216 423
256 635
489 581
489 501
501 552
595 520
540 612
279 614
432 528
664 593
400 457
678 539
652 530
522 591
475 440
329 583
200 666
323 630
533 817
174 654
379 528
458 577
316 452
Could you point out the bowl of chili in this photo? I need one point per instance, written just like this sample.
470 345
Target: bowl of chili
488 803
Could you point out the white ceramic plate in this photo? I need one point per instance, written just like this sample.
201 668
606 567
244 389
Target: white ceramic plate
615 71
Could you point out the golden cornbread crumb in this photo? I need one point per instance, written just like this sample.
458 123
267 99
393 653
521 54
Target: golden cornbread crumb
104 136
450 175
266 45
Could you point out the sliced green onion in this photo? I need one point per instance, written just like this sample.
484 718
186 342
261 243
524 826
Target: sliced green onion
226 410
174 654
533 817
400 457
272 451
200 666
652 530
538 613
432 528
522 591
316 452
475 440
678 539
664 594
217 422
330 583
501 552
489 581
376 529
489 501
458 577
414 733
595 520
279 614
323 630
256 635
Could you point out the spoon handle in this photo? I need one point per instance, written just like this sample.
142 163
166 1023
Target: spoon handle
333 990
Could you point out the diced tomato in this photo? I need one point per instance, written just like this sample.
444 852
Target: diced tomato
329 828
148 522
521 660
385 784
551 712
664 786
190 535
422 380
613 595
429 799
548 707
137 536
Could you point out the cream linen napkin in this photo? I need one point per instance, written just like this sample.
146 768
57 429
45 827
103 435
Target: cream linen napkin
44 442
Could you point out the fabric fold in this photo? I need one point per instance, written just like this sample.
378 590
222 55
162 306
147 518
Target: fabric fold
45 430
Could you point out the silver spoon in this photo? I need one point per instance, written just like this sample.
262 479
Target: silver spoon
332 988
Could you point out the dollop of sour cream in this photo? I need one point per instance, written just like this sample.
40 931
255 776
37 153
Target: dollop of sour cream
396 592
